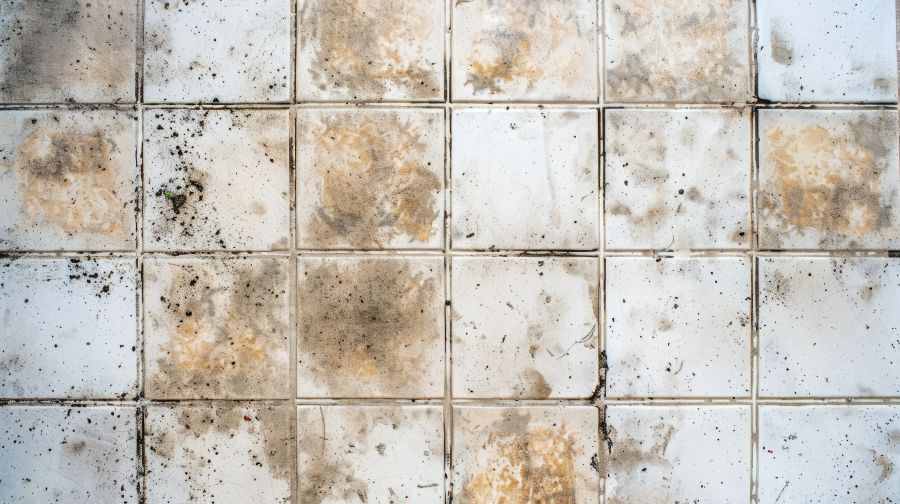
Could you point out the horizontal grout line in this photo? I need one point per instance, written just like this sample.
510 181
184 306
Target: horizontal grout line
695 253
453 105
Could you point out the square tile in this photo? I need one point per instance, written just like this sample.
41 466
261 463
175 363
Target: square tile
524 327
526 454
678 327
503 158
829 453
829 327
370 50
217 328
373 454
370 178
525 51
662 454
68 454
221 452
827 50
677 179
216 179
694 51
370 327
223 51
828 179
68 179
68 51
69 328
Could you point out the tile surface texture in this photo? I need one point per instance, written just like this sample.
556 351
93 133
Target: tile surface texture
449 251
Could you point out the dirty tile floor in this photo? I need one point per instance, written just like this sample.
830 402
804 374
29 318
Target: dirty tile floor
434 251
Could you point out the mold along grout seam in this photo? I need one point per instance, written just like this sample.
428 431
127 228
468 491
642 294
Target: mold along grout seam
445 248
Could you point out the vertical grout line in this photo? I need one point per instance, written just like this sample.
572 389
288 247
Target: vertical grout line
292 249
139 231
754 305
448 288
601 292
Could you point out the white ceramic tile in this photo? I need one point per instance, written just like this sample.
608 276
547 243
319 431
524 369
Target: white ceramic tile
678 327
217 328
829 454
68 179
370 50
68 328
661 455
217 51
68 454
524 327
216 179
677 179
827 50
829 327
371 454
525 51
370 178
526 454
828 179
68 51
222 453
524 179
370 327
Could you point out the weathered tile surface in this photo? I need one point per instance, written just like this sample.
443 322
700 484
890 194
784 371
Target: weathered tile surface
829 454
665 454
216 179
827 50
678 327
677 51
68 454
828 179
526 454
525 51
370 50
369 179
217 328
524 327
68 179
372 454
503 159
677 179
829 327
370 327
220 453
68 51
217 51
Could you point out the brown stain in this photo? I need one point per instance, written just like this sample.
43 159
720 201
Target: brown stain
886 466
375 183
533 385
357 45
367 322
214 352
630 455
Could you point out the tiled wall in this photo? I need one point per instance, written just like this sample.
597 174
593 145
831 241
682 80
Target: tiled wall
487 251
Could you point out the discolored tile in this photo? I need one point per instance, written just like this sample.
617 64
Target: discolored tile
370 178
370 50
829 327
525 51
217 328
370 327
660 454
68 51
68 179
827 50
371 454
526 454
828 179
503 158
524 327
677 179
678 327
829 453
216 179
68 454
223 51
694 51
68 329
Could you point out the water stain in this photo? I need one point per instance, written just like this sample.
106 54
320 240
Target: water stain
782 52
630 454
